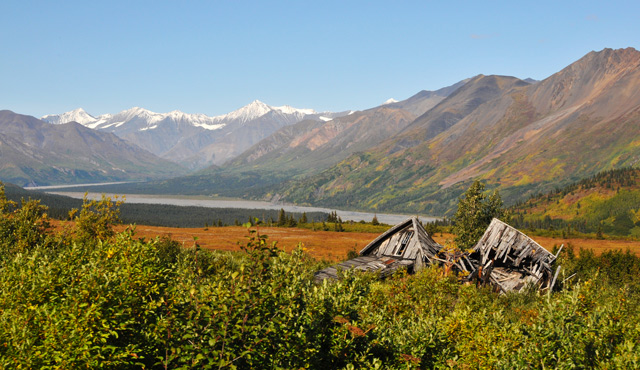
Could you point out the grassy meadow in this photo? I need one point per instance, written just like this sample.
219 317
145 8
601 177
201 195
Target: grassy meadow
334 246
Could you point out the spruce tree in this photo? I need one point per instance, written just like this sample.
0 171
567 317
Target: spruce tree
282 218
474 214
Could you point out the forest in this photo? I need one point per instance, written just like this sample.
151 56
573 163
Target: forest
160 214
607 203
86 296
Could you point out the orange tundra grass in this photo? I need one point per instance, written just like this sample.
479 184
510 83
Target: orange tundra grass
330 245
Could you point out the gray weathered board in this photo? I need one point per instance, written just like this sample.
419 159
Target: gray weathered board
503 257
405 245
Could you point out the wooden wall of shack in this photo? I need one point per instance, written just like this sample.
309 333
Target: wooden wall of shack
503 257
506 259
384 255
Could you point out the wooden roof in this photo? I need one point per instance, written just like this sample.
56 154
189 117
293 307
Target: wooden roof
385 265
406 244
511 258
420 238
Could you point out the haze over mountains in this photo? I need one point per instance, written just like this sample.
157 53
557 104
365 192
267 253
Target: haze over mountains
415 155
33 152
194 140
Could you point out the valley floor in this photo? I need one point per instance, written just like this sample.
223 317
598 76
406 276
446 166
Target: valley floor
334 246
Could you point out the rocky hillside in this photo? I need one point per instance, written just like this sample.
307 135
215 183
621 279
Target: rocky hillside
519 137
33 152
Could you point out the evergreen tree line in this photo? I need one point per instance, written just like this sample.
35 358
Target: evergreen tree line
610 179
613 216
163 214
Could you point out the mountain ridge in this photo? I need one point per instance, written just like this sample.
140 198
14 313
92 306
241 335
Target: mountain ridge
35 152
528 138
195 140
519 136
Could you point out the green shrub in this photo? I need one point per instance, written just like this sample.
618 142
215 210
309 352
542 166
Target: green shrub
125 303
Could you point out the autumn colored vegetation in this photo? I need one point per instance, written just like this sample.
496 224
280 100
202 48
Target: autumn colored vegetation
86 295
606 204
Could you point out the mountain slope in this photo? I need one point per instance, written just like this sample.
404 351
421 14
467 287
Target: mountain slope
35 152
421 102
313 146
325 143
303 149
520 137
607 202
194 140
297 150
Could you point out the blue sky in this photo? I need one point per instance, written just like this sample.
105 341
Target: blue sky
215 56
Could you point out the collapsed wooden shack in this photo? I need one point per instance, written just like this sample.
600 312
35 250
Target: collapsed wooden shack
503 257
509 260
406 245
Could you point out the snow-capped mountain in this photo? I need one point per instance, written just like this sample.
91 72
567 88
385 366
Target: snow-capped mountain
194 140
76 115
37 153
389 101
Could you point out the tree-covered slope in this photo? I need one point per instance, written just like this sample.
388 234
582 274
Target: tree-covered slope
517 137
607 203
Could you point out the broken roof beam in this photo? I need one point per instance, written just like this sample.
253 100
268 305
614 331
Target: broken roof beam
506 247
499 235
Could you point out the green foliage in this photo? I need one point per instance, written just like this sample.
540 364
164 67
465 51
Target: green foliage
127 303
333 217
303 218
356 227
590 206
22 228
352 253
474 214
285 220
96 218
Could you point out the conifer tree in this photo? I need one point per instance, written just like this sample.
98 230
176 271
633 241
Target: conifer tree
282 218
474 214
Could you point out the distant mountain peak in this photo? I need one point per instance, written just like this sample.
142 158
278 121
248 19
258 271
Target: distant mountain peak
195 139
389 101
609 59
257 109
77 115
137 110
249 112
79 111
287 109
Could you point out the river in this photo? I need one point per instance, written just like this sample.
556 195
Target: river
202 201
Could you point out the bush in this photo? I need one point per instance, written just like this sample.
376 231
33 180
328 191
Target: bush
96 218
127 303
22 228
